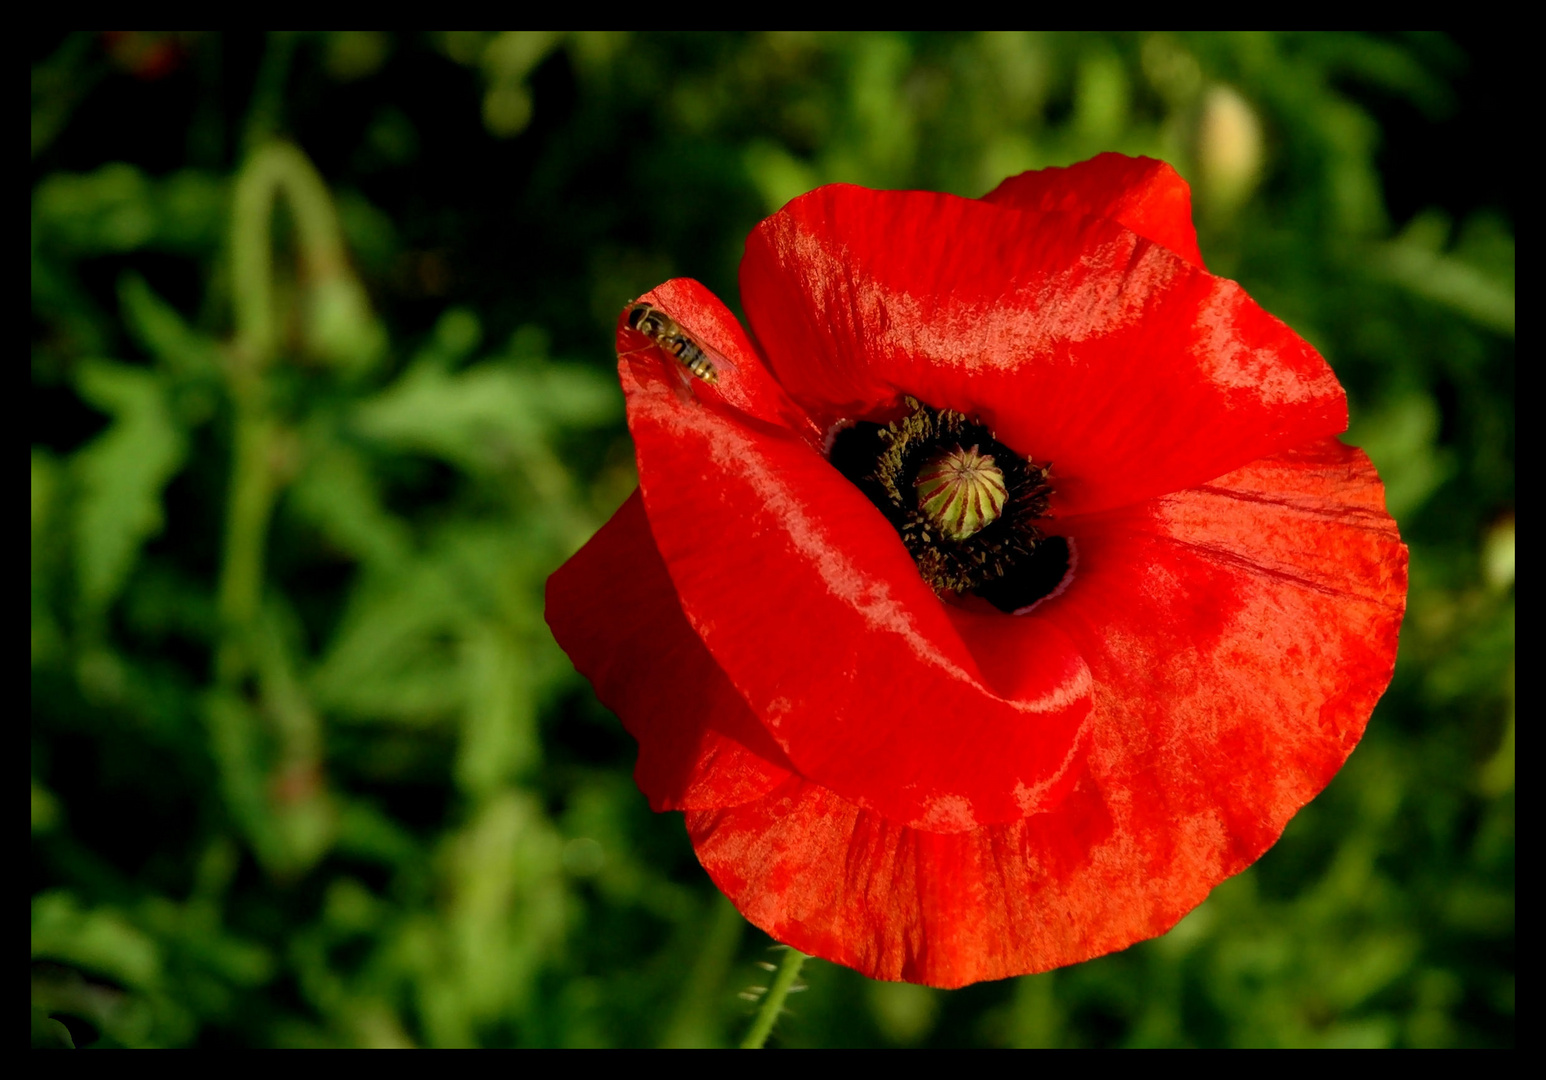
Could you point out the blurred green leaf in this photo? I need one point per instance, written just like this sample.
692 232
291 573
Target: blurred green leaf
45 808
47 482
499 728
120 475
338 492
393 657
98 939
58 85
160 330
1401 440
1482 290
493 415
118 209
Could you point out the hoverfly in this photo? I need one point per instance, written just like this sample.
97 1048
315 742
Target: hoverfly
698 359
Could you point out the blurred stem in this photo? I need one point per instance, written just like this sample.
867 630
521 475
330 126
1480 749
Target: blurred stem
697 1019
773 1000
60 83
252 491
273 170
287 705
270 171
301 809
293 808
263 113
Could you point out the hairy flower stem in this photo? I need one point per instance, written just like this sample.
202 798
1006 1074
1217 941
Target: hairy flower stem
773 1000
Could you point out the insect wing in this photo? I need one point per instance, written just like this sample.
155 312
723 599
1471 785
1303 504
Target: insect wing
720 361
681 382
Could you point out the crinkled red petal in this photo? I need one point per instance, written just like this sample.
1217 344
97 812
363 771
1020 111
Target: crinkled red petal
1075 339
745 383
1239 635
1147 196
811 605
613 609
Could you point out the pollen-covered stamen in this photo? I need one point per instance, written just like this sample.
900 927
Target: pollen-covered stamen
961 491
967 516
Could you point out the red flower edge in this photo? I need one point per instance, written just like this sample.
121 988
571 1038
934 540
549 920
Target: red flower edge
933 793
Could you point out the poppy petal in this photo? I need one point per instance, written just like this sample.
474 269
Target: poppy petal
613 609
1253 618
1147 196
946 909
1239 635
810 603
1076 340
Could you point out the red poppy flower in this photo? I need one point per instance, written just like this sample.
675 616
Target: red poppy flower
1006 591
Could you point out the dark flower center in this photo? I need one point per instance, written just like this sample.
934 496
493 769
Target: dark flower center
963 502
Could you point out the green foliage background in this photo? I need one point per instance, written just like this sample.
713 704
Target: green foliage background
323 390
